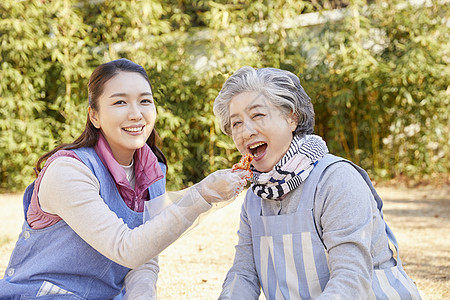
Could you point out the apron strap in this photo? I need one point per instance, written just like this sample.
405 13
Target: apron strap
27 198
310 185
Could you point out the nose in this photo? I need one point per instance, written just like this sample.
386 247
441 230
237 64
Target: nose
134 112
248 130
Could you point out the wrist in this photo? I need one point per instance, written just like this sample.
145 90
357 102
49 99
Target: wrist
197 189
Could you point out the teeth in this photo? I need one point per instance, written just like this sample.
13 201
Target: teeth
256 145
133 129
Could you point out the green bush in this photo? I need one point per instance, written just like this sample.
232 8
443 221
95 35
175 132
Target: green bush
377 77
385 100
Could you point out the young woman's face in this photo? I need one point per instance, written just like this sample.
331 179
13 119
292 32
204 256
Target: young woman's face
126 114
260 128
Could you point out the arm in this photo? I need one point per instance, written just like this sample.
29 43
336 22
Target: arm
75 198
343 211
140 283
242 280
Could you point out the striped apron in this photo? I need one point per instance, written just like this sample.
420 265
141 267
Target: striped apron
291 259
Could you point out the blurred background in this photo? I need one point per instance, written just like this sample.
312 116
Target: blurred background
377 73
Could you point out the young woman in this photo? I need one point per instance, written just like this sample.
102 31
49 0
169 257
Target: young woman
83 236
311 224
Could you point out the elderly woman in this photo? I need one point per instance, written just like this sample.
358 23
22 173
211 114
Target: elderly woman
311 224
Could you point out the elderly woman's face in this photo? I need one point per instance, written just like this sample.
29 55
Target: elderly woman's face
260 128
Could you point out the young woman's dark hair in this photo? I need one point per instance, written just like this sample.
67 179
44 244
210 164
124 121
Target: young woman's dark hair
97 81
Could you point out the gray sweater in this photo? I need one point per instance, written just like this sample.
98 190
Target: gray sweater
349 224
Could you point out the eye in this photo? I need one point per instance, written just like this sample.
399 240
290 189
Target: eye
236 123
118 102
258 115
147 101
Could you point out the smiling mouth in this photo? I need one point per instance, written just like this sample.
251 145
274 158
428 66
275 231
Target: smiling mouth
258 149
133 129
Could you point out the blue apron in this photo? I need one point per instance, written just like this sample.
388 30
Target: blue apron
291 259
54 262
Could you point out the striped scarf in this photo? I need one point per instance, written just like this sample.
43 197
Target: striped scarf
292 170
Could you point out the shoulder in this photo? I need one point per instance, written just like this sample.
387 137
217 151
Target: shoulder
342 186
65 180
341 174
67 162
68 170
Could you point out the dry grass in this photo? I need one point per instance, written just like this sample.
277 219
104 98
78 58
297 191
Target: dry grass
194 266
11 216
420 219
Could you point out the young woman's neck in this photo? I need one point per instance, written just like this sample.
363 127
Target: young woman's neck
124 159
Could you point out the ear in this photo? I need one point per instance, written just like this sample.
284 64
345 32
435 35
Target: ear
292 121
93 116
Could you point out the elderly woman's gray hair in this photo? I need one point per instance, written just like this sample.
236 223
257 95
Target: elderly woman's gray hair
282 88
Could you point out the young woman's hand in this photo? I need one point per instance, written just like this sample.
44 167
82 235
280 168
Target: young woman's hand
222 185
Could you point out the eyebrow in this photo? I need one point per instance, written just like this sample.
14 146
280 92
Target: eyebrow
249 108
125 94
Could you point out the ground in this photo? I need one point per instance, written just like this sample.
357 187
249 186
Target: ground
196 264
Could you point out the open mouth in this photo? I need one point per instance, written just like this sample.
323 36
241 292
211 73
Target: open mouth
133 129
258 149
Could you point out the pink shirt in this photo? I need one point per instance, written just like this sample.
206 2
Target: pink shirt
146 168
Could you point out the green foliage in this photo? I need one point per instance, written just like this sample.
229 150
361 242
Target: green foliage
44 54
377 77
385 104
